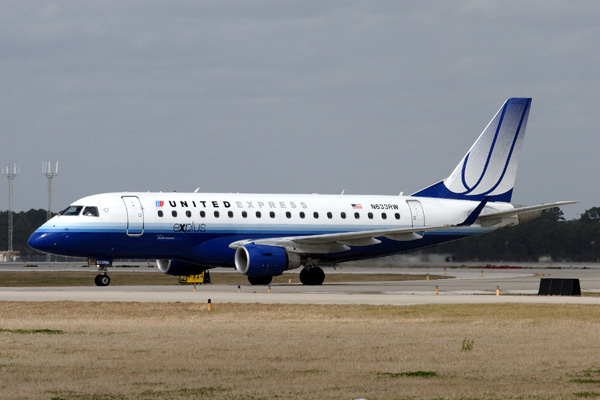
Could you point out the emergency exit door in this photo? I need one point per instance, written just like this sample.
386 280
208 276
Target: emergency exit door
416 212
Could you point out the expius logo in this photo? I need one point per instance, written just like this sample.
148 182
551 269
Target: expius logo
189 228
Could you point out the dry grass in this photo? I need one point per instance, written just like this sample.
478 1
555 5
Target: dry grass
127 278
73 350
81 278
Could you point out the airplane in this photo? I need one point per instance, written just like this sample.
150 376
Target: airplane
263 235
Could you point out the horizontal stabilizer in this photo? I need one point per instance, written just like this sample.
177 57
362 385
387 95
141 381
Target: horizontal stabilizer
523 210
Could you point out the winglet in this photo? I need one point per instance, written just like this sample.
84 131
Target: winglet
475 213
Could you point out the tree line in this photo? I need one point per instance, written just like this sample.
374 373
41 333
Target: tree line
550 236
24 224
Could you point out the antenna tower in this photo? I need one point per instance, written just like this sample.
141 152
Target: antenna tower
50 173
10 172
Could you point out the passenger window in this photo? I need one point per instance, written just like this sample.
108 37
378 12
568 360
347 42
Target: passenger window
258 214
230 214
202 214
397 215
160 213
91 212
174 213
288 214
316 215
370 215
302 214
383 216
216 214
71 210
356 215
244 214
272 214
343 215
329 215
188 214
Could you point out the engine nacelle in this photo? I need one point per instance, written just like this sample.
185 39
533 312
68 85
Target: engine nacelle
181 268
260 260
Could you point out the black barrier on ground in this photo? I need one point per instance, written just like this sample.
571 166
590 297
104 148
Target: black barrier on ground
559 287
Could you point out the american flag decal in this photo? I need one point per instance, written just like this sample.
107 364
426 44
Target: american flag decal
160 203
357 206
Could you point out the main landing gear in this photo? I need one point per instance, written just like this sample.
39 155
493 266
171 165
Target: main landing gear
312 276
260 280
102 279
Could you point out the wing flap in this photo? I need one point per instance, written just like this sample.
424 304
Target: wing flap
404 237
368 241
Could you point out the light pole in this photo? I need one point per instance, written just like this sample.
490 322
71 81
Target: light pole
50 173
10 172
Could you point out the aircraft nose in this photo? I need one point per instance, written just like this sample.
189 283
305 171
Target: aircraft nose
41 241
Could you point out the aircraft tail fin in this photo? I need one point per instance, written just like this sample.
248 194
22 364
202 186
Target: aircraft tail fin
490 166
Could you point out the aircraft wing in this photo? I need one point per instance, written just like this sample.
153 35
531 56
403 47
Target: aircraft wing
522 210
341 241
337 242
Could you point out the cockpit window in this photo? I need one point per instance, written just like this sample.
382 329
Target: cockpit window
91 212
71 210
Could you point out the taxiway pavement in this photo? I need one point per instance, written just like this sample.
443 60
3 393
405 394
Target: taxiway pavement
463 286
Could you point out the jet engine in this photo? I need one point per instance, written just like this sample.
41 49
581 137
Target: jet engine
181 268
259 260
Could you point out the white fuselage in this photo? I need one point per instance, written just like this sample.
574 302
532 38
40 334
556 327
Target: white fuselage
199 227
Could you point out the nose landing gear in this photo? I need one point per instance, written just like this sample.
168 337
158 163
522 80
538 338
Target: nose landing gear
102 279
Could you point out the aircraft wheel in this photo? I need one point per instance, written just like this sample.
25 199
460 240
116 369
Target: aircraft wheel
260 280
305 276
313 276
102 280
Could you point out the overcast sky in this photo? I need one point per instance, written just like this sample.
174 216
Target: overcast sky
374 97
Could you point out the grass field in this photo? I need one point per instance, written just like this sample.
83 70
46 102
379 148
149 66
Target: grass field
77 350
